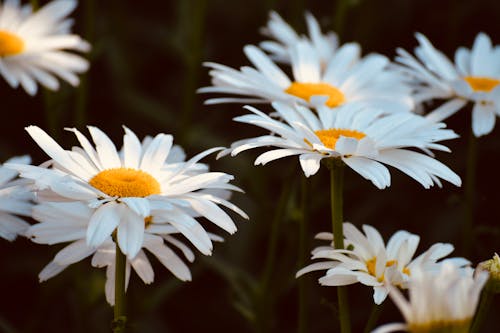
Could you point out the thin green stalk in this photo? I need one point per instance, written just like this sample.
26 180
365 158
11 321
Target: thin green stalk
374 315
470 194
302 320
482 310
339 16
336 190
120 318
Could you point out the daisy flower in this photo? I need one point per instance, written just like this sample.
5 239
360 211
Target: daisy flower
124 189
361 137
285 37
347 78
33 45
15 199
369 261
443 302
474 77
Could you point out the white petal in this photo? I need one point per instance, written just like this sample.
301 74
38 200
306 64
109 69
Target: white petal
103 223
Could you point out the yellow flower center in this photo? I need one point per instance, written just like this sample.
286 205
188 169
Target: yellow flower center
147 221
125 182
372 264
441 326
307 90
484 84
330 136
10 44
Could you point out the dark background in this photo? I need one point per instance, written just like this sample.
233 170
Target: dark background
145 68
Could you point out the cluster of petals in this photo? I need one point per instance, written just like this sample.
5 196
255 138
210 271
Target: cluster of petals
442 302
368 260
363 138
474 77
34 45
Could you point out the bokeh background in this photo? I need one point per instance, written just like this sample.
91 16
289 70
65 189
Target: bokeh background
146 64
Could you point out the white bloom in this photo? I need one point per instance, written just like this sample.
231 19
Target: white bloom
443 302
124 189
32 45
15 199
361 137
475 77
369 261
346 78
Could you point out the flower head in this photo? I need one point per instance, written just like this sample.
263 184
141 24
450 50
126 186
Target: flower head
361 137
474 77
368 260
492 266
33 45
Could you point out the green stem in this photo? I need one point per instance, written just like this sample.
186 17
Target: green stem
374 315
470 193
339 15
336 190
302 320
120 319
482 310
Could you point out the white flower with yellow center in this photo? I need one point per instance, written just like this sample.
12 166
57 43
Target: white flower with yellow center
443 302
15 199
346 78
123 189
33 46
361 137
285 37
369 261
474 77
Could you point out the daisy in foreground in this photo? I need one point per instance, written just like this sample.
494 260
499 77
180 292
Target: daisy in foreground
33 45
127 190
474 77
361 137
369 261
441 303
15 199
346 78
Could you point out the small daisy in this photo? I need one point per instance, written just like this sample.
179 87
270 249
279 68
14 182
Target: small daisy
361 137
285 37
124 188
15 199
369 261
474 77
347 78
443 302
33 45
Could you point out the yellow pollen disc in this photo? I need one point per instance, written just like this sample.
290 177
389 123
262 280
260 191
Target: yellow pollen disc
307 90
10 44
390 263
370 265
148 220
125 182
484 84
330 136
407 271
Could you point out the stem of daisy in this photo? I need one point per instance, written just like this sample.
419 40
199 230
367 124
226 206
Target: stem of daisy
470 187
374 315
120 319
482 310
302 320
336 167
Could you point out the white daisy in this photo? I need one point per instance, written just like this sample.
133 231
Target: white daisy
474 77
123 189
369 261
67 222
33 45
285 37
361 137
15 199
347 78
443 302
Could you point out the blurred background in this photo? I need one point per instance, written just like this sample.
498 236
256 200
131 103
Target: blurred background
145 68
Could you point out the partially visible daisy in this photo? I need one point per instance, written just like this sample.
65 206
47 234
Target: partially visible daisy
34 45
361 137
285 37
347 78
123 189
443 302
15 199
368 260
474 77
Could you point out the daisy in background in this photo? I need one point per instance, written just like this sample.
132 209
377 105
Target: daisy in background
124 189
442 302
474 77
363 138
15 199
345 79
34 45
369 261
